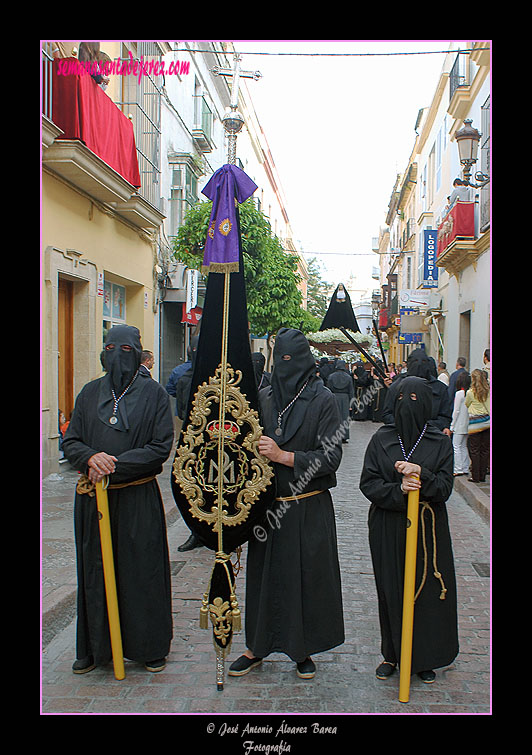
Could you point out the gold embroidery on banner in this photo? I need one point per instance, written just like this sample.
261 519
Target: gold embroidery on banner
246 473
221 613
225 227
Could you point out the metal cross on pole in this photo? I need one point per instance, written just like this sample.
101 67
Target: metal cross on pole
232 119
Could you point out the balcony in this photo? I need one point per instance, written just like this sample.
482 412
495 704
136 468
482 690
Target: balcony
90 143
458 245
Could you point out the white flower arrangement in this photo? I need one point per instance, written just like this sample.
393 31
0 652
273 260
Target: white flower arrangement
333 334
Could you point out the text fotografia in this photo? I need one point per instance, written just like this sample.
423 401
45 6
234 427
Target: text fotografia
285 729
123 67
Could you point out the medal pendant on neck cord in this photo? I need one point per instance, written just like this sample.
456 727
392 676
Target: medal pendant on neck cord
415 444
114 419
278 430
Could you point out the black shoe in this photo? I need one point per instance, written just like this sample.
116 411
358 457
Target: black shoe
427 676
385 670
306 669
155 666
243 665
190 544
83 665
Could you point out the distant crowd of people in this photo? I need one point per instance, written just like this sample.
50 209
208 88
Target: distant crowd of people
460 400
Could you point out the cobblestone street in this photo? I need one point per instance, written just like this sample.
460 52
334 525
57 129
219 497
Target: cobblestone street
345 681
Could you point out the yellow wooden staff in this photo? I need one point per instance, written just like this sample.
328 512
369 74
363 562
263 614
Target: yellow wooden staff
405 665
109 577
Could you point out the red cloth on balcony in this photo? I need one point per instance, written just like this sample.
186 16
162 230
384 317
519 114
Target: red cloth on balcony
83 111
459 221
383 319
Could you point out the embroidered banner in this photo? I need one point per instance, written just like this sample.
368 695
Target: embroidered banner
227 186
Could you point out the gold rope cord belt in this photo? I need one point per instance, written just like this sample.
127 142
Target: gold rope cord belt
297 497
437 574
85 486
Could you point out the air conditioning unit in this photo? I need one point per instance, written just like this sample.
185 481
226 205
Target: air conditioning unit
178 276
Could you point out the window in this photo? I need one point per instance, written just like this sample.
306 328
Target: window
409 272
440 145
141 99
437 166
183 194
430 177
424 203
485 165
459 74
114 306
203 113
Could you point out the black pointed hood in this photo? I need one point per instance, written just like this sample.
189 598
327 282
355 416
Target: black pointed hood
412 410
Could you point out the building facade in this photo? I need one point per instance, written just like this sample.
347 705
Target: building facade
99 228
425 245
122 160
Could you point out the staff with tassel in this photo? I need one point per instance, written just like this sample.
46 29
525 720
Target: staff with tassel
217 498
109 578
380 345
233 122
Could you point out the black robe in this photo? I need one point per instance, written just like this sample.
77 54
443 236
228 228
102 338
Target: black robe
138 525
293 588
362 404
380 392
340 383
435 640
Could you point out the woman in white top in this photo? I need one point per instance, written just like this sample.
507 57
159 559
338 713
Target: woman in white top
459 425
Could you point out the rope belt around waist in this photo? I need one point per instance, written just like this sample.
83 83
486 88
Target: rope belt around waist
85 486
297 497
424 506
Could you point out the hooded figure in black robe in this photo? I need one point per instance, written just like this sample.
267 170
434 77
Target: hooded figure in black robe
325 368
362 404
293 588
262 378
383 480
423 366
340 383
379 396
340 311
129 441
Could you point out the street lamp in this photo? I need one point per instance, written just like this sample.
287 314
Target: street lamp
468 139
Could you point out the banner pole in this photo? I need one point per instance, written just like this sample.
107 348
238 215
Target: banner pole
407 632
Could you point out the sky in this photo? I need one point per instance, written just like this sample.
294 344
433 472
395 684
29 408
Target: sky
339 130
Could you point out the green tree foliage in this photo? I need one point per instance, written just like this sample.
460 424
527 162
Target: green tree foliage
317 290
273 299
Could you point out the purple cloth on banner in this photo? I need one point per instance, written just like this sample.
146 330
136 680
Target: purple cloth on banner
222 244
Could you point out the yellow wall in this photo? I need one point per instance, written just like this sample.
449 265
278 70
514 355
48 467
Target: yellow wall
81 240
72 221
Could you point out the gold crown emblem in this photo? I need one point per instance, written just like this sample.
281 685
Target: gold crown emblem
229 429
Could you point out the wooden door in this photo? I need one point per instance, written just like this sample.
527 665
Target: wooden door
65 362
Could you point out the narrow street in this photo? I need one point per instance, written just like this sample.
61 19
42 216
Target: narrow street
345 681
